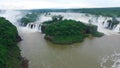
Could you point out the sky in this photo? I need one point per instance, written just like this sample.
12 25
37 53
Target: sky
41 4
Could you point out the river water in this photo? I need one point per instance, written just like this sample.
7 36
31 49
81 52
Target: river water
92 53
103 52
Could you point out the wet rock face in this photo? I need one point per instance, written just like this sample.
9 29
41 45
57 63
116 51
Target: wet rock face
18 38
112 23
25 63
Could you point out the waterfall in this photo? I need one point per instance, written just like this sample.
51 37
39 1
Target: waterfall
117 29
111 24
101 21
36 27
106 24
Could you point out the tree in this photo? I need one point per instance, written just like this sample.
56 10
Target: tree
68 31
8 45
57 18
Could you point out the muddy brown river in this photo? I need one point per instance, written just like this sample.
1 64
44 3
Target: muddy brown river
100 52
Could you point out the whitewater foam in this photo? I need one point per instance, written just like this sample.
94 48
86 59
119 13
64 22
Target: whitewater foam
111 61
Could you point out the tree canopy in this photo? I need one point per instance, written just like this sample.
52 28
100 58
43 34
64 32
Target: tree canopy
9 51
68 31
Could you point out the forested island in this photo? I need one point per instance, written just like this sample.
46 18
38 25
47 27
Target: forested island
68 31
9 51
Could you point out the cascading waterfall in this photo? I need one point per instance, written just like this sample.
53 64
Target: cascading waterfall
117 29
101 21
105 23
109 23
34 27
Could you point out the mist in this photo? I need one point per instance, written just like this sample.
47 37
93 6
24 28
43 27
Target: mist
14 16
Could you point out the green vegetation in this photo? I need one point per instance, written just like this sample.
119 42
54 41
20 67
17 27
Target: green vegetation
110 12
68 31
31 17
9 51
113 11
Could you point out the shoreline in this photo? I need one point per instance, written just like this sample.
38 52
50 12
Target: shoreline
25 62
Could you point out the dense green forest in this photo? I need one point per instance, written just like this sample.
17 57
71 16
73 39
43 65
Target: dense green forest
100 11
9 51
68 31
114 11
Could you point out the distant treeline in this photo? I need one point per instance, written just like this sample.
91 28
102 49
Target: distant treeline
115 11
100 11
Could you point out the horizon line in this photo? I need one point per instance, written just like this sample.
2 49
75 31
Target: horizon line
61 8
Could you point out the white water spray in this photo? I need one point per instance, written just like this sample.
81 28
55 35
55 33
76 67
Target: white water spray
12 16
111 61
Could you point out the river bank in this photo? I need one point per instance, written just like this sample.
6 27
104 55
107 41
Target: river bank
25 63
